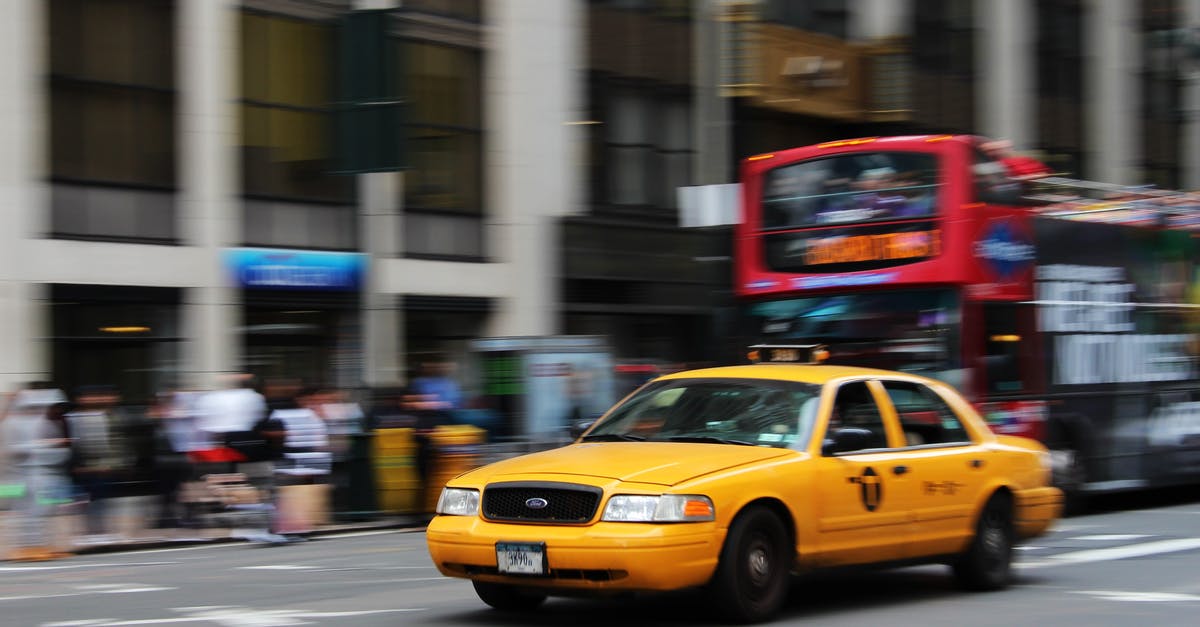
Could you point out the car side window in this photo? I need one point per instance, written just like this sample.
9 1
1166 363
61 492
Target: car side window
925 417
854 407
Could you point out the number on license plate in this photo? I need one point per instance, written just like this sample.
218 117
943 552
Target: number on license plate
521 558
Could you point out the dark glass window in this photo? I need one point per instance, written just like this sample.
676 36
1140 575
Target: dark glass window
1060 62
925 417
1165 51
445 128
646 148
112 92
470 10
943 49
851 188
288 68
828 17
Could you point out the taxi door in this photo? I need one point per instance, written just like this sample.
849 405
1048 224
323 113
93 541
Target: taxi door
859 518
945 468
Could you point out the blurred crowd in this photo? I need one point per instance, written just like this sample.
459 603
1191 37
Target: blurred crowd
270 458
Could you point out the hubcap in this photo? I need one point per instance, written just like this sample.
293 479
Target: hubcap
759 564
995 540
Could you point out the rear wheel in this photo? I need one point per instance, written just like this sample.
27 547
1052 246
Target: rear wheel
987 562
507 598
751 581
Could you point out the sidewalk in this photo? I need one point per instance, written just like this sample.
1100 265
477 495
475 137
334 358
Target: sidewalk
129 532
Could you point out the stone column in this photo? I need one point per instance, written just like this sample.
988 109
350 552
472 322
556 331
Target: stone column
1112 91
210 209
1007 71
533 70
24 198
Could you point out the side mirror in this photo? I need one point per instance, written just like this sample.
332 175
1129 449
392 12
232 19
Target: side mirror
847 439
578 427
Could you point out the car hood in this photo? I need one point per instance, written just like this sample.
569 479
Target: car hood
663 463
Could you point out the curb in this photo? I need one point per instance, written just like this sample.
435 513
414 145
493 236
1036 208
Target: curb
132 546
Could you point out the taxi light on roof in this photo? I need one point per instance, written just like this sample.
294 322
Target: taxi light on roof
1006 338
788 353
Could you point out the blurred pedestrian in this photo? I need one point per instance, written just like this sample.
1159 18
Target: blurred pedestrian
175 437
306 462
101 456
436 380
232 411
38 445
425 413
344 422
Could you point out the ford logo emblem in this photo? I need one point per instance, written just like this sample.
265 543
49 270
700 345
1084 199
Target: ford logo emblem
536 503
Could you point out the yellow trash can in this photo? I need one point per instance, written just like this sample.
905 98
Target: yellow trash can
456 449
394 451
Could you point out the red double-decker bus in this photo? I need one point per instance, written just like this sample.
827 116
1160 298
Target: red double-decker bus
1066 310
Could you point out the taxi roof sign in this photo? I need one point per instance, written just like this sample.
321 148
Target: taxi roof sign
788 353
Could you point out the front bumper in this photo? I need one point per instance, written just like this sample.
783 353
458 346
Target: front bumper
1037 509
593 558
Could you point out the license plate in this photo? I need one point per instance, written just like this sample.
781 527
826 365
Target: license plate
521 558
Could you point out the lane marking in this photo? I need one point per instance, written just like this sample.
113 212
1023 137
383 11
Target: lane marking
356 534
1111 537
1141 597
279 567
1116 553
231 616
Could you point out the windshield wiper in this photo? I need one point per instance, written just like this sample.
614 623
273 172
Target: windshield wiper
707 439
613 437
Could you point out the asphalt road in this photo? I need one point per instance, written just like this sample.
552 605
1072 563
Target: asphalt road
1129 567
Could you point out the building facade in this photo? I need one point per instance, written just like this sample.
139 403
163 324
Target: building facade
175 200
172 206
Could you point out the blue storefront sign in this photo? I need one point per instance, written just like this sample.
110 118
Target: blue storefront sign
282 269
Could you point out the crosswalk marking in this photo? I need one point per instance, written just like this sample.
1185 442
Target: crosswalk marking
1140 597
1115 553
1110 537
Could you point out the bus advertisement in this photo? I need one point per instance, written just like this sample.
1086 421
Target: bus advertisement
1066 310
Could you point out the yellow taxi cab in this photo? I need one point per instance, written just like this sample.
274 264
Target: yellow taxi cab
733 478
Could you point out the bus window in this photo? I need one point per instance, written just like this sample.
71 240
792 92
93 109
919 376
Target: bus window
850 189
1003 343
992 184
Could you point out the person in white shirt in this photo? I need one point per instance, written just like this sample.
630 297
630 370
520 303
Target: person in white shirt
236 408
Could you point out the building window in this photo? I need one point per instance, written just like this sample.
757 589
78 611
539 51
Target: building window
443 189
944 65
469 10
647 148
287 89
1060 64
112 118
1165 52
828 17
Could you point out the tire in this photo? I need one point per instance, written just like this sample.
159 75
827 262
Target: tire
987 562
507 598
751 582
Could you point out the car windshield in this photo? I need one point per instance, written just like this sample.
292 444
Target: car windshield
752 412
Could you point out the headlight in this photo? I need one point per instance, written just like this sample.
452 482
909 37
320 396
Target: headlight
458 502
661 508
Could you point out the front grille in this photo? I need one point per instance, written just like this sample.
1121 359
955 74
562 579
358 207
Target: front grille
563 502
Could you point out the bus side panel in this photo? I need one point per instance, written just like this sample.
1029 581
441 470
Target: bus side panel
1115 314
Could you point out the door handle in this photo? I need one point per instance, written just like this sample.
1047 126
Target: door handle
900 469
976 463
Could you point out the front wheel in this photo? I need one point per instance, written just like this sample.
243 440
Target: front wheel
987 562
751 581
507 598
